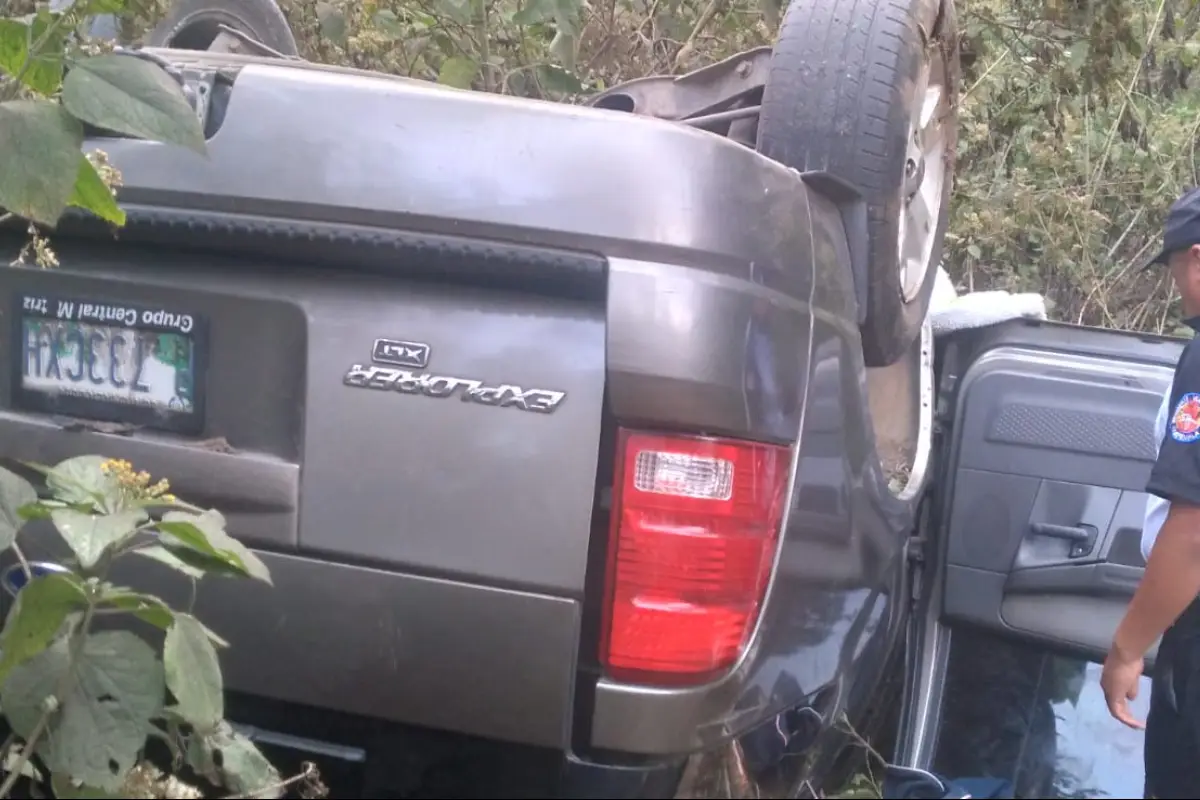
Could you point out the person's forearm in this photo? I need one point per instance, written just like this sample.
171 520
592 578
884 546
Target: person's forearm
1171 583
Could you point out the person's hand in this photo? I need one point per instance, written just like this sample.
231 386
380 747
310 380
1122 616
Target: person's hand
1119 680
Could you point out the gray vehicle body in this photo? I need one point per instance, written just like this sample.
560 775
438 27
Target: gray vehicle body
437 550
431 556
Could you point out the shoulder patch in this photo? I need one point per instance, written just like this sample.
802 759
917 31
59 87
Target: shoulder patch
1185 420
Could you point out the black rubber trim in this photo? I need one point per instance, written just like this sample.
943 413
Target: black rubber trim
852 207
1083 580
475 262
1063 337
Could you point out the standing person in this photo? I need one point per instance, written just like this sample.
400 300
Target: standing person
1165 603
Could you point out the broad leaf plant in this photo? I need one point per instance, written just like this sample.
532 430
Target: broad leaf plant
81 686
55 84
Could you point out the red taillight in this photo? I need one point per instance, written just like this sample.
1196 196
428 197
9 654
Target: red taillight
694 527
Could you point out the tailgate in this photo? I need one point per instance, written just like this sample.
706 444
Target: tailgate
416 459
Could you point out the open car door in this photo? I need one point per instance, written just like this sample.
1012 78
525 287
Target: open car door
1047 439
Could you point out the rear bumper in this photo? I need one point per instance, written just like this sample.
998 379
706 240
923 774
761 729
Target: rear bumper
367 758
392 646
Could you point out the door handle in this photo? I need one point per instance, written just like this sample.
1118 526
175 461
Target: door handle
1081 537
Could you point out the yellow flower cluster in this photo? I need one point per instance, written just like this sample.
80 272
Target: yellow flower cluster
137 483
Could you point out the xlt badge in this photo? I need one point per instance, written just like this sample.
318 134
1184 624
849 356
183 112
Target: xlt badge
416 355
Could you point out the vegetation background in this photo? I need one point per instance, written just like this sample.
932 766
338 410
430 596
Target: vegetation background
1078 119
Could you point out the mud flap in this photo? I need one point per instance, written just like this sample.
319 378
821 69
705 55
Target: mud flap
908 783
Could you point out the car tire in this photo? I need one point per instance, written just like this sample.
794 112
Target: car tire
192 24
866 90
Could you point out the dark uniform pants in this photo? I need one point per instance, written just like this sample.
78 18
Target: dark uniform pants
1173 725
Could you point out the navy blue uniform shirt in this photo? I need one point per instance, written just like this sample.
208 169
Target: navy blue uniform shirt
1176 473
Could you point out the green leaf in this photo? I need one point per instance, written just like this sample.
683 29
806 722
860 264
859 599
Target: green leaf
457 10
194 674
102 721
534 11
196 562
36 616
163 555
205 534
81 481
458 71
93 195
148 609
15 494
39 148
129 95
65 789
332 23
563 47
227 758
770 10
564 13
387 21
90 536
43 74
106 6
31 511
556 79
145 607
14 45
1079 55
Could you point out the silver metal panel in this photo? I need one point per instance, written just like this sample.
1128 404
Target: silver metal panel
444 486
293 143
391 646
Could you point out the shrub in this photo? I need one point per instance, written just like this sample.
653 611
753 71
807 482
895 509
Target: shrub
78 686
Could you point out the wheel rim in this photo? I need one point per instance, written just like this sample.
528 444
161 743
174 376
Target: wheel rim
924 177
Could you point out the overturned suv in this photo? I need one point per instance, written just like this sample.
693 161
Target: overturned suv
577 477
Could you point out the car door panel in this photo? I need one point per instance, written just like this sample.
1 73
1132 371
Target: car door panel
1052 449
1046 437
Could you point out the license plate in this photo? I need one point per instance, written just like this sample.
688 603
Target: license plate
109 361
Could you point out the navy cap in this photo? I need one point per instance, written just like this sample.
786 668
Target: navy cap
1183 226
